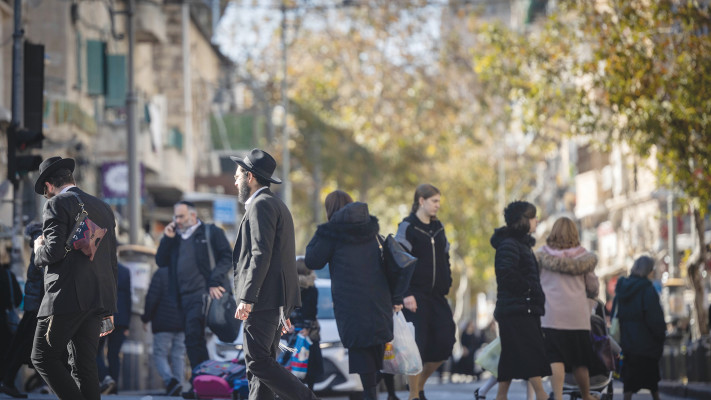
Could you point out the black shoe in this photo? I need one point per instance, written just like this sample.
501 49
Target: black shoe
392 397
422 395
12 391
477 396
173 388
188 395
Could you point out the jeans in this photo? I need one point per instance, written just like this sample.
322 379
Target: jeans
169 355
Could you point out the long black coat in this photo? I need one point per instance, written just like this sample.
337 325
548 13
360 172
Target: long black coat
518 284
72 282
361 296
641 317
265 256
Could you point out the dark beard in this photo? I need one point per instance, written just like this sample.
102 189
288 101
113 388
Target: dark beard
243 194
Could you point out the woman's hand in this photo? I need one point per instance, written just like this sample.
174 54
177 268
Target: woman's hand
410 303
397 308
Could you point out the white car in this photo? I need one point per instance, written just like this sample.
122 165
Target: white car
335 378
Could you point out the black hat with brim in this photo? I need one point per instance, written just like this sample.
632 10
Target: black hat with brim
259 163
49 167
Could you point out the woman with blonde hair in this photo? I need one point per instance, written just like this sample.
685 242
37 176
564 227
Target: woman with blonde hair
568 281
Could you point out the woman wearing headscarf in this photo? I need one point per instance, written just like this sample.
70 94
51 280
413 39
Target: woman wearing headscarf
642 328
362 301
568 281
519 301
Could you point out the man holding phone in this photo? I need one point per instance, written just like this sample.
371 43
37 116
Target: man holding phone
79 292
184 249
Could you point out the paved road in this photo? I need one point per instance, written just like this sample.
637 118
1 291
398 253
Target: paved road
434 391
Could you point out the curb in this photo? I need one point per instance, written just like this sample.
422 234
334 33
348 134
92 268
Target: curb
694 390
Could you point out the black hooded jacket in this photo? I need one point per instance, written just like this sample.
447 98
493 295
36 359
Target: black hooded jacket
361 296
429 244
518 284
641 317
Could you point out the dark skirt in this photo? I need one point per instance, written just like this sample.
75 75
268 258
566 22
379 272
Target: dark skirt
640 372
570 347
523 353
363 360
435 331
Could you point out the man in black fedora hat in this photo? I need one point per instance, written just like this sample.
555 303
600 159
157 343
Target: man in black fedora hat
266 281
79 292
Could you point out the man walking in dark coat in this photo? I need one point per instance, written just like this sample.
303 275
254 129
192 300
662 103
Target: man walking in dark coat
79 292
184 249
266 282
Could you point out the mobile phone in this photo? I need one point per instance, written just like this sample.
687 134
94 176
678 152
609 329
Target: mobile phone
106 325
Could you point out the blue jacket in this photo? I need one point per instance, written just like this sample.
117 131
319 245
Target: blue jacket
122 318
642 327
161 309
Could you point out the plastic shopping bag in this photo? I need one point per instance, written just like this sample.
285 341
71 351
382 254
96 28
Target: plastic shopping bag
489 356
299 362
402 355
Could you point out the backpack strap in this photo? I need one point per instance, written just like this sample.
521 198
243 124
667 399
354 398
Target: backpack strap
78 220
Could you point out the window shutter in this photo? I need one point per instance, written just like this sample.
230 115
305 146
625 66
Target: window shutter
95 67
115 80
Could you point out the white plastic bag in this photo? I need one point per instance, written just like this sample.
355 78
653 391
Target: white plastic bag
402 355
488 357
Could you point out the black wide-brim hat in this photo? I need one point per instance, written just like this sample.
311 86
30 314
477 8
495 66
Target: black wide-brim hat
259 163
49 167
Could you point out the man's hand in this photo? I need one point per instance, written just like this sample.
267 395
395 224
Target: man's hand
39 242
410 303
169 230
216 292
243 310
112 323
287 328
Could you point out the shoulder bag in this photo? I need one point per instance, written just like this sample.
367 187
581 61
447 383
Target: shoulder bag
86 235
220 313
398 263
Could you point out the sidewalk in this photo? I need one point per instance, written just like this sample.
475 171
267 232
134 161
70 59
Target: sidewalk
692 390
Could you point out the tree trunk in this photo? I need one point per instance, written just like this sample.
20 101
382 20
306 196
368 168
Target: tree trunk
697 261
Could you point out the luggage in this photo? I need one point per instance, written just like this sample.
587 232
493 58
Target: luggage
220 380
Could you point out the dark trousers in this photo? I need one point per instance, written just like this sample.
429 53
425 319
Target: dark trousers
266 376
113 342
80 332
192 306
20 348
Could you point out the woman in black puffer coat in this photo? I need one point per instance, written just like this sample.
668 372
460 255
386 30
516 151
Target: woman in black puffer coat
426 306
519 301
361 296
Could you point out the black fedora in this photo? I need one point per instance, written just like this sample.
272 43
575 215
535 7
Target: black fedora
259 163
49 167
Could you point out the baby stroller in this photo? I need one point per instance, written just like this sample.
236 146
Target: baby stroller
605 351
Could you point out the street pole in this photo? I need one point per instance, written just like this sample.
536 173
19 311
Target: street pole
671 232
17 94
286 155
134 189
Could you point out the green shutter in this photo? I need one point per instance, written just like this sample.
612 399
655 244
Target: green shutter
95 67
115 80
79 64
175 139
